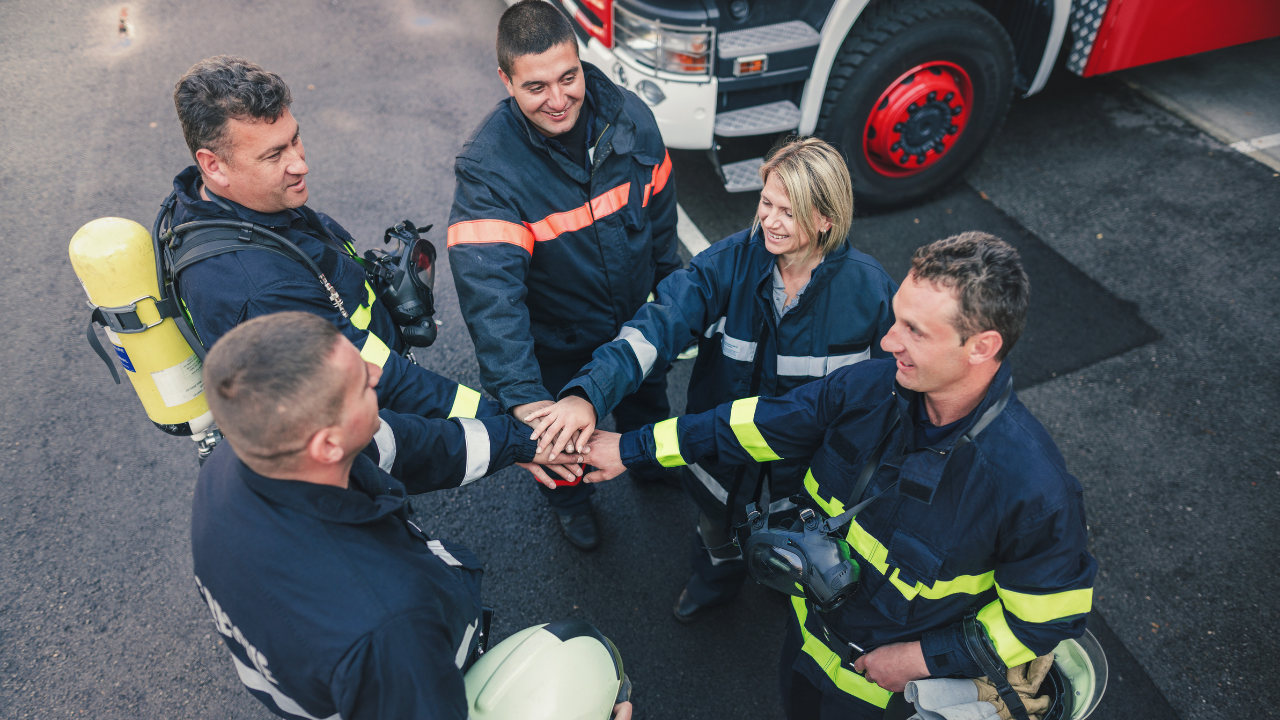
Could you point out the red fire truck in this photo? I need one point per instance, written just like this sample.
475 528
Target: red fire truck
911 90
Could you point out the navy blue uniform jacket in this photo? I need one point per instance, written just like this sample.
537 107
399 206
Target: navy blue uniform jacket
724 300
997 525
331 601
226 290
550 258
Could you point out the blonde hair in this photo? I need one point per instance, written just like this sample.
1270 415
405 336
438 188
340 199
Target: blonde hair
816 179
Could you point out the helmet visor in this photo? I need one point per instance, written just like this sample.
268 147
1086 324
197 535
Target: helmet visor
777 566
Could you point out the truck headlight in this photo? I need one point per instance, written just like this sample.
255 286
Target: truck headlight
667 48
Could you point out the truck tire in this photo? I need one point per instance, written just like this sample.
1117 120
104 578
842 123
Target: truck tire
918 89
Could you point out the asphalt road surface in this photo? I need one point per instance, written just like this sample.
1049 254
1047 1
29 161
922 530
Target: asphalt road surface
1154 253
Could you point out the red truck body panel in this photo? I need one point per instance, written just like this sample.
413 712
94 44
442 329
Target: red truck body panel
1137 32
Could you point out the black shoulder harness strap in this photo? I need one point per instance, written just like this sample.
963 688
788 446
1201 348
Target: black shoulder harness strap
980 647
873 463
191 242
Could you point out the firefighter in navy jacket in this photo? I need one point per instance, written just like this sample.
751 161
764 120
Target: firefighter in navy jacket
251 167
331 600
996 524
771 310
563 222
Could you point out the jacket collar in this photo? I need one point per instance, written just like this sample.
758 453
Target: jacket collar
187 188
372 495
818 280
922 468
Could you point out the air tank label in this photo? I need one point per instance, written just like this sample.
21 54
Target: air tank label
181 383
120 353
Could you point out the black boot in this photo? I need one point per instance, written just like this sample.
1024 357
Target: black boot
579 528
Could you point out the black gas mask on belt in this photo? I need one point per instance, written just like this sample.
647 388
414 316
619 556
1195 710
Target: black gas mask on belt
403 280
809 559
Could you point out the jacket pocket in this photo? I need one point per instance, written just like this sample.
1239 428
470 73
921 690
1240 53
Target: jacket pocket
848 348
635 215
915 560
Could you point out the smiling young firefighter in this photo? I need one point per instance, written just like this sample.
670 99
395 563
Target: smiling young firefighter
960 500
563 222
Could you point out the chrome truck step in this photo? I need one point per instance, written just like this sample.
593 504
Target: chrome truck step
773 117
742 176
777 38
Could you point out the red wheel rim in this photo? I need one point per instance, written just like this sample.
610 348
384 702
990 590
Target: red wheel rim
917 119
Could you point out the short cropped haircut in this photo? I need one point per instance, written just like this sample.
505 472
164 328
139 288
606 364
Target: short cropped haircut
269 384
222 88
531 27
816 178
986 275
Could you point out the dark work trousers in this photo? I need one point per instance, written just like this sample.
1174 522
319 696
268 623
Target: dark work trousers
647 405
718 567
802 700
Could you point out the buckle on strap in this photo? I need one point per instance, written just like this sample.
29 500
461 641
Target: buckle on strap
125 319
848 652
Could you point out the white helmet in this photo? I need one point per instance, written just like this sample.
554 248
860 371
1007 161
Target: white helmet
1083 665
565 670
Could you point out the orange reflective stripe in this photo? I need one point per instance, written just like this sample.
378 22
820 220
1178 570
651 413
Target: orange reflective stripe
660 175
553 226
490 231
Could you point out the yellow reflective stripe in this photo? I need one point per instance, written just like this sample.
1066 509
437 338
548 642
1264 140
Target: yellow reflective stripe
465 403
845 679
1008 646
1046 608
966 584
666 444
363 314
374 350
875 553
742 420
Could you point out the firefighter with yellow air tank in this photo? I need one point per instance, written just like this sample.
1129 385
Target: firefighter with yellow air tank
235 240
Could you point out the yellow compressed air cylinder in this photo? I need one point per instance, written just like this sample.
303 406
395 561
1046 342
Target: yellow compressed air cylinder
116 264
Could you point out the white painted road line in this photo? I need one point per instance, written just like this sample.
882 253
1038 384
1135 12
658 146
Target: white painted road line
1258 143
693 239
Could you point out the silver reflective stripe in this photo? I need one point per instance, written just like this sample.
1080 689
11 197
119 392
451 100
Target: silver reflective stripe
732 347
710 555
783 504
254 680
710 483
477 449
715 327
438 550
461 657
808 366
386 441
645 352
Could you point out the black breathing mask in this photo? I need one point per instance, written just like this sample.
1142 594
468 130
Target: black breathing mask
404 280
811 558
808 560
